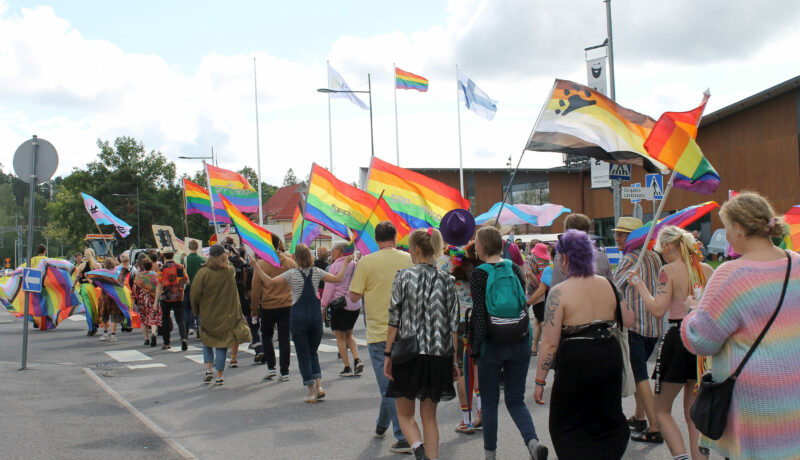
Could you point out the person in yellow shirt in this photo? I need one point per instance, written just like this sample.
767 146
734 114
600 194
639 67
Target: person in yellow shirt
373 281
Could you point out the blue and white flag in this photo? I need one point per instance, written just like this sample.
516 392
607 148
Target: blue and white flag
102 215
337 83
474 98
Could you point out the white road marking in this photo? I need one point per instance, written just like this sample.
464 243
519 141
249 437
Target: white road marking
125 356
360 342
177 349
145 366
196 358
328 348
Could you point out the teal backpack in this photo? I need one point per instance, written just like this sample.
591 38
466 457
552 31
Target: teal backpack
505 303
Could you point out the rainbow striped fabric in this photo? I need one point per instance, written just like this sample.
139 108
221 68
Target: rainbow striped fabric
366 236
56 301
578 120
88 296
311 230
235 187
418 199
672 142
252 234
408 80
106 280
198 200
223 178
336 205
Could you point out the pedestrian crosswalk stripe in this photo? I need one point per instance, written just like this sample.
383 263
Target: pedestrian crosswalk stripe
126 356
191 348
328 348
146 366
359 341
196 358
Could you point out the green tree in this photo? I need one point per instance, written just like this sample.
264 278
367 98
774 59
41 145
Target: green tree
290 178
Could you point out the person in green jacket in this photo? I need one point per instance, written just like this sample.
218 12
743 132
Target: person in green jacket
215 302
193 262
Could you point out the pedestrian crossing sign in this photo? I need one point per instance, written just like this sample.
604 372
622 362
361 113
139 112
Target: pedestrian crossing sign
619 172
656 183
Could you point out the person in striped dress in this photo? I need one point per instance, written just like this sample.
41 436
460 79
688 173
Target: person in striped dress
741 296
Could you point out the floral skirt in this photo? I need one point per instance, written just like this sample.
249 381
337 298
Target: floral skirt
149 314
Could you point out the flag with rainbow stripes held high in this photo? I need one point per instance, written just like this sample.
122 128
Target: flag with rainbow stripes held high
335 204
366 242
408 80
237 190
198 201
310 230
257 237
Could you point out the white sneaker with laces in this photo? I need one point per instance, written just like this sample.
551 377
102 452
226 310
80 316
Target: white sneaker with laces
104 337
270 374
283 378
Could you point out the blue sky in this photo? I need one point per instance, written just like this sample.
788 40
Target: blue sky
178 75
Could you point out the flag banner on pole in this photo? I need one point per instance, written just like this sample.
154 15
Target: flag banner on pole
596 74
418 199
197 199
520 214
672 142
102 215
311 230
337 83
108 282
407 80
223 178
578 120
336 205
682 219
244 200
366 242
257 237
475 98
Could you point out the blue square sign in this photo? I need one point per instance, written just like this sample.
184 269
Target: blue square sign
655 182
31 280
637 184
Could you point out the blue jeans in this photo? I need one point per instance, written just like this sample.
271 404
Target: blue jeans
641 348
388 411
192 322
305 325
221 354
514 360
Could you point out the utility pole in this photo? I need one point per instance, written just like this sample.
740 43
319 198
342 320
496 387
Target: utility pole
615 184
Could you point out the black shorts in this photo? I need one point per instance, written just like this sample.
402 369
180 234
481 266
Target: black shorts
344 320
675 364
538 311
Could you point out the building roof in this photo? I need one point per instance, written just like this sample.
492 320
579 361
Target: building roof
282 204
746 103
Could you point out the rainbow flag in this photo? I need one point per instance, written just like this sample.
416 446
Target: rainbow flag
252 234
311 230
581 121
88 296
235 187
672 142
418 199
109 284
198 201
407 80
366 236
223 178
336 205
53 304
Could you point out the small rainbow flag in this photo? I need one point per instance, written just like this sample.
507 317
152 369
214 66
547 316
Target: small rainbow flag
198 200
408 80
418 199
223 178
336 205
672 142
252 234
311 230
366 237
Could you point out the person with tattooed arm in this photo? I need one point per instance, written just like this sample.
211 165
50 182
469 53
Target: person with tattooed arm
586 418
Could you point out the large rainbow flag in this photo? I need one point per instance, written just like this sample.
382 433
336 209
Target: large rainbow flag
672 142
578 120
252 234
418 199
310 230
235 187
408 80
198 201
366 236
109 284
56 300
336 205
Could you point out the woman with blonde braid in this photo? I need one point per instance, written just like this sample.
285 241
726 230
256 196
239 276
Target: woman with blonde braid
676 367
86 290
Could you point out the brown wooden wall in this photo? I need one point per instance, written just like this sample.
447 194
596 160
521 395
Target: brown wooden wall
756 149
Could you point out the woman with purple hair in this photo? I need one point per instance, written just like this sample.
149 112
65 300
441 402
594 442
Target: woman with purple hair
586 418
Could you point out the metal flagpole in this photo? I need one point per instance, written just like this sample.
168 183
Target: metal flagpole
615 184
211 199
258 148
371 135
396 129
185 213
330 132
458 110
655 220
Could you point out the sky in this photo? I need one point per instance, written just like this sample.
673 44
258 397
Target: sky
179 75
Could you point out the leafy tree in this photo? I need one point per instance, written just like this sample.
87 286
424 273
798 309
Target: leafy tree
290 178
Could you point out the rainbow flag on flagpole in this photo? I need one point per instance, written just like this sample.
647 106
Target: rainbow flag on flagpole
334 204
198 201
235 187
252 234
418 199
310 230
408 80
365 241
672 142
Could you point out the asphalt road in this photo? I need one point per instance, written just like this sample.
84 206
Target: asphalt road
55 409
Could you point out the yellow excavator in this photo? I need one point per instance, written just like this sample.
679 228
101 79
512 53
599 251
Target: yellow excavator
102 244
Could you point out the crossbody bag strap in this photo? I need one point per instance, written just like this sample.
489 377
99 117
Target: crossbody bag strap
771 320
619 309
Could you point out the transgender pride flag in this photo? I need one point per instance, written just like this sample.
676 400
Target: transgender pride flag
102 215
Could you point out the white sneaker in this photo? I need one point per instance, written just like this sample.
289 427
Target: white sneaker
283 378
271 373
113 338
191 333
104 337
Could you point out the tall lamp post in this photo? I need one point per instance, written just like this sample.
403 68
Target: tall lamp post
138 220
368 91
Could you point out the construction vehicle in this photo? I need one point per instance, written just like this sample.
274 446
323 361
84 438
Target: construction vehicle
101 244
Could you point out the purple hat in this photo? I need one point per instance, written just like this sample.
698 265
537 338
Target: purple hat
457 227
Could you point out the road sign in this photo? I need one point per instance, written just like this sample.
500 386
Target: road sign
600 174
621 172
46 160
656 183
637 193
31 280
637 184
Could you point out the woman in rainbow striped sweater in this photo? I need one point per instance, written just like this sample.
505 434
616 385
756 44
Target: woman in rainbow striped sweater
764 418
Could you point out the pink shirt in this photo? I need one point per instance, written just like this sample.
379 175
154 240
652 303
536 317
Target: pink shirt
341 289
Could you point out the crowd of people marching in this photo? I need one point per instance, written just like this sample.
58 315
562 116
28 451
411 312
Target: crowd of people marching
462 314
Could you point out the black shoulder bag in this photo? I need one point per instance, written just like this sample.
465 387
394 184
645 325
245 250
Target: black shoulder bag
406 349
710 410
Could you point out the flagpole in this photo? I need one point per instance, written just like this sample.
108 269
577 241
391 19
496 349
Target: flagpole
458 110
104 240
371 135
396 129
655 220
330 132
211 199
258 147
185 213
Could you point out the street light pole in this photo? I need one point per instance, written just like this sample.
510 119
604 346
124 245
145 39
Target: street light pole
328 91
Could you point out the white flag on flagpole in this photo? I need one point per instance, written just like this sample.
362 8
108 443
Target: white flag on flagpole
474 98
337 83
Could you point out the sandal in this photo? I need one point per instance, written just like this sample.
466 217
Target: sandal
636 424
234 363
653 437
218 382
209 375
320 393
